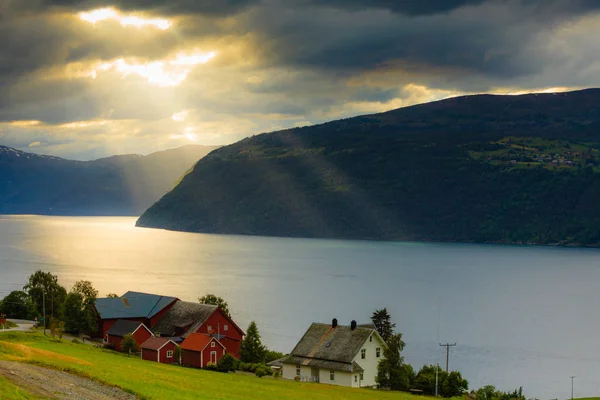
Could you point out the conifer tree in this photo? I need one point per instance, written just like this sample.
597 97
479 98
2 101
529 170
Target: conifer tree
251 348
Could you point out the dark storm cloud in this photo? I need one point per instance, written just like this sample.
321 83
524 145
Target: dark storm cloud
165 7
409 7
497 39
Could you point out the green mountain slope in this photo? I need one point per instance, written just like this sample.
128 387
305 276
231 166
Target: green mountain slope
518 169
118 185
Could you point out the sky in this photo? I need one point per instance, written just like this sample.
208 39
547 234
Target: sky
84 79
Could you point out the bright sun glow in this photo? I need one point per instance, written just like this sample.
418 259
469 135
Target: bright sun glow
103 14
180 116
188 133
161 73
24 123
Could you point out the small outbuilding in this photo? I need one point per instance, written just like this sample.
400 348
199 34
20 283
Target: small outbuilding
198 350
160 350
139 331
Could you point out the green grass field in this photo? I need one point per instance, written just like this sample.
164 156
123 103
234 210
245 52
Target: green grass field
150 380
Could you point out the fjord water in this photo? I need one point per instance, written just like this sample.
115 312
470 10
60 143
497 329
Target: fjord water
520 315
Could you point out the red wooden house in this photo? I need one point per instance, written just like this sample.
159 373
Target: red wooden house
185 318
160 350
198 350
139 331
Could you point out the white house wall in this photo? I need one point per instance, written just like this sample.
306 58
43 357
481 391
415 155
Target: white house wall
340 378
369 364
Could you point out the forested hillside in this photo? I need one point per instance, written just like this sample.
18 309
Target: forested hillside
514 169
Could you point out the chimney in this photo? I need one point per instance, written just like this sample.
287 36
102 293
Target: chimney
353 325
334 323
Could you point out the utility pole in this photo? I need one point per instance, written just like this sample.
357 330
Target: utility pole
437 364
447 346
572 387
44 309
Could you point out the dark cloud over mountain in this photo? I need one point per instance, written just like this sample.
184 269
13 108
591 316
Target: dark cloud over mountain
278 63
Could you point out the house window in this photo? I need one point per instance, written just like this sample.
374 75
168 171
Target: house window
362 376
225 327
297 370
212 344
363 353
332 375
355 378
378 352
371 338
209 328
169 353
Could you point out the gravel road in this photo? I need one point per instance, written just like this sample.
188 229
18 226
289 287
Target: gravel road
58 385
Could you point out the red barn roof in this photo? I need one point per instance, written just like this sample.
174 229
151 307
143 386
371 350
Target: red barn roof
198 342
156 343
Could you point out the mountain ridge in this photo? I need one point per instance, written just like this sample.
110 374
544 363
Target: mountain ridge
482 168
118 185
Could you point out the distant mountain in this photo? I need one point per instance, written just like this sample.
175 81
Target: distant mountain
484 168
118 185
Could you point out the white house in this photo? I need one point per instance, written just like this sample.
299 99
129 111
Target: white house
336 355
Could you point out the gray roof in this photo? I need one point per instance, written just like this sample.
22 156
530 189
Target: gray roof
132 305
182 315
123 327
324 364
277 363
339 344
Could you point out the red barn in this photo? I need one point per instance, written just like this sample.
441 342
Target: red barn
160 350
122 327
133 306
198 350
185 318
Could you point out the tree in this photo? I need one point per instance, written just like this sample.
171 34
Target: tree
215 301
128 344
41 283
272 355
79 312
57 327
425 379
453 384
383 322
251 348
489 392
18 305
86 290
112 295
449 384
391 372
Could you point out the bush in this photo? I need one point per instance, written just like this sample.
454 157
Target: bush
75 341
263 370
247 367
227 363
211 367
128 345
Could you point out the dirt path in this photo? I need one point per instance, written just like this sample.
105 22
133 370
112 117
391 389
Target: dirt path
58 385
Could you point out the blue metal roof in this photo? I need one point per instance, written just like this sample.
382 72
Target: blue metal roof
132 305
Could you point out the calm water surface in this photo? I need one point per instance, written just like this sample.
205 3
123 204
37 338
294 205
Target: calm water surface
520 315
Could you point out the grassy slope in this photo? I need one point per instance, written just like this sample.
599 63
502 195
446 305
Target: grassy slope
8 391
155 381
